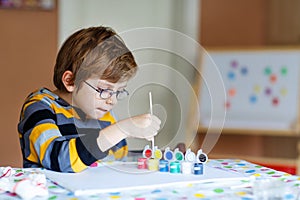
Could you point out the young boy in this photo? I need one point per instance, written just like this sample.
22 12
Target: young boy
70 128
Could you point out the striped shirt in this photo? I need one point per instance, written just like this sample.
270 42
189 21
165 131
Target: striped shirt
57 136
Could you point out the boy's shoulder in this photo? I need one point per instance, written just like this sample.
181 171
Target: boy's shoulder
45 96
41 94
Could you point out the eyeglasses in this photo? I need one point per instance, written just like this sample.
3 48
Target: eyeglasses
107 93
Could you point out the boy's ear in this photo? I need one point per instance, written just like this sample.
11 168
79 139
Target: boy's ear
67 79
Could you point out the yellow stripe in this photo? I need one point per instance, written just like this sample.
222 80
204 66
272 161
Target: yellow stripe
37 98
44 146
120 153
123 151
76 164
108 117
67 113
34 135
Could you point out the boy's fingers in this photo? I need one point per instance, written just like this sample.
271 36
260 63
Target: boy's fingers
156 119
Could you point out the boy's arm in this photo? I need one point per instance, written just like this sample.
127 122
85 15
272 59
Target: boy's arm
44 144
142 126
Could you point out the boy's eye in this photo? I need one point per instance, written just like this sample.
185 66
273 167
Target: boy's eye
100 88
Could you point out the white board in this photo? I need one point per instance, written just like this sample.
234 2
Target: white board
260 91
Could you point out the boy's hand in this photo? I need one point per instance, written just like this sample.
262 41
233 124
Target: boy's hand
140 126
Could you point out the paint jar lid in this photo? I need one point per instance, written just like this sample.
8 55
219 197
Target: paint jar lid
189 156
201 157
168 154
178 155
147 152
157 153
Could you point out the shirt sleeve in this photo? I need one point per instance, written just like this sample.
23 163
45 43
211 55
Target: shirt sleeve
52 145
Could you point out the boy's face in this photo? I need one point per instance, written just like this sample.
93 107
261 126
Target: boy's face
90 101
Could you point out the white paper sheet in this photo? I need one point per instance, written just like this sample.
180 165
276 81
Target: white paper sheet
114 178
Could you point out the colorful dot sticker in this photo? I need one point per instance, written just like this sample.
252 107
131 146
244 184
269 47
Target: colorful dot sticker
218 190
244 71
267 70
273 78
231 75
234 64
227 104
232 92
250 171
257 89
284 71
253 99
275 101
283 91
268 91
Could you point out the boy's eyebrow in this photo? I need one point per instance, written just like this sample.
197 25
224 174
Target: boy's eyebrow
110 84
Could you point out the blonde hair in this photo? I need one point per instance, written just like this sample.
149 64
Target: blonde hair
93 51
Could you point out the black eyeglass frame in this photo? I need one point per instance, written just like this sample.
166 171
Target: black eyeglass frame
111 92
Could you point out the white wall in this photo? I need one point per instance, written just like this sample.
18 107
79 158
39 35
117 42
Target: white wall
161 71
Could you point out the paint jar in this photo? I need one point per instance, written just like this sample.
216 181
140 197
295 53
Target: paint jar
175 167
163 166
186 167
153 164
142 163
198 168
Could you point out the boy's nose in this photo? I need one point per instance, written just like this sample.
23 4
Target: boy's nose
112 100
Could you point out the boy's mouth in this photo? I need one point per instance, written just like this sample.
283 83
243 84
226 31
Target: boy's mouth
103 110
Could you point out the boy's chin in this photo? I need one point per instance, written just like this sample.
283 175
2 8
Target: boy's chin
96 116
